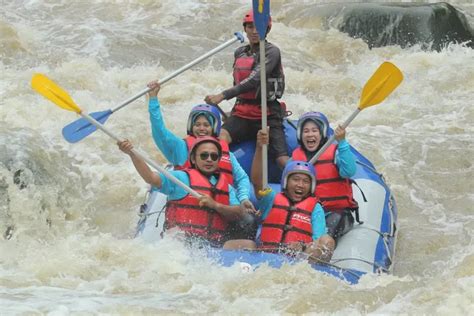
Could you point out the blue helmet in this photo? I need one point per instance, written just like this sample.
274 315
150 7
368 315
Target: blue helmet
318 118
298 166
212 115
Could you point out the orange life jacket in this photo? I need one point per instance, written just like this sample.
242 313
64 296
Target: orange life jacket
334 192
225 165
287 222
194 219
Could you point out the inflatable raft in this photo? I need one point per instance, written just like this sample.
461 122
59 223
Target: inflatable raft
367 248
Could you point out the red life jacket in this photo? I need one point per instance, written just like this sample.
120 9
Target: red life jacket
242 70
194 219
287 222
248 103
334 192
225 165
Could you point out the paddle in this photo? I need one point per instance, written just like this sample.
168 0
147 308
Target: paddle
81 128
221 111
385 79
261 16
51 91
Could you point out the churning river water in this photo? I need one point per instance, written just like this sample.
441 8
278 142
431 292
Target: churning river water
68 211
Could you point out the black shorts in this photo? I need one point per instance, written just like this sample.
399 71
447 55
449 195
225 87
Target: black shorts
242 129
339 223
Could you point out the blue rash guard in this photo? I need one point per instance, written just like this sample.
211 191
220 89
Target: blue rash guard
318 221
175 192
175 149
345 159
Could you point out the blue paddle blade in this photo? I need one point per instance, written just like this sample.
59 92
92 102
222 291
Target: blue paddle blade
81 128
261 16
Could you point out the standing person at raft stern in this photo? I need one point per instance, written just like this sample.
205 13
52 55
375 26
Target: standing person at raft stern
204 218
293 220
203 120
333 168
245 119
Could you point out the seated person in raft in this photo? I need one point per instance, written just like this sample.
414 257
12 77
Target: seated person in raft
203 120
293 220
205 218
334 169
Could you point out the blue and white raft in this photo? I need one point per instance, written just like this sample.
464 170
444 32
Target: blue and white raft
367 248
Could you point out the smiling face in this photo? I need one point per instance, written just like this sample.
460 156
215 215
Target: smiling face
310 136
206 158
298 186
202 127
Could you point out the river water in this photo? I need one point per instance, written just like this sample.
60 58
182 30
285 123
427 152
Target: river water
68 211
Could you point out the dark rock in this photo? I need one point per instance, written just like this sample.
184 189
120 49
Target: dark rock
431 25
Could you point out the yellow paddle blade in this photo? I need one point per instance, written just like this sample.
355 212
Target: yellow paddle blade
51 91
385 79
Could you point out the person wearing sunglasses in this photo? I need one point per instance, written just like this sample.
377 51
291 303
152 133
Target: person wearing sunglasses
203 120
207 218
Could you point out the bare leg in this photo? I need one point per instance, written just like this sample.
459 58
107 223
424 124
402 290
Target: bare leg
240 244
225 136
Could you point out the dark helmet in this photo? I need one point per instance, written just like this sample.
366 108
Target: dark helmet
297 166
205 139
212 115
248 18
318 118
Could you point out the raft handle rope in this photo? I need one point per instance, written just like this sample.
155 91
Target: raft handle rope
384 236
377 267
370 168
393 226
142 211
162 211
332 265
319 261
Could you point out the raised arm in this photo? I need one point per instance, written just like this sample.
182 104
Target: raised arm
256 174
173 148
145 172
345 159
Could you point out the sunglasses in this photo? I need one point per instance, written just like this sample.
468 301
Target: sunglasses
204 155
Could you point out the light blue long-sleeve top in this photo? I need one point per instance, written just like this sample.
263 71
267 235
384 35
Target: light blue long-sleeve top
175 192
345 159
175 149
318 220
